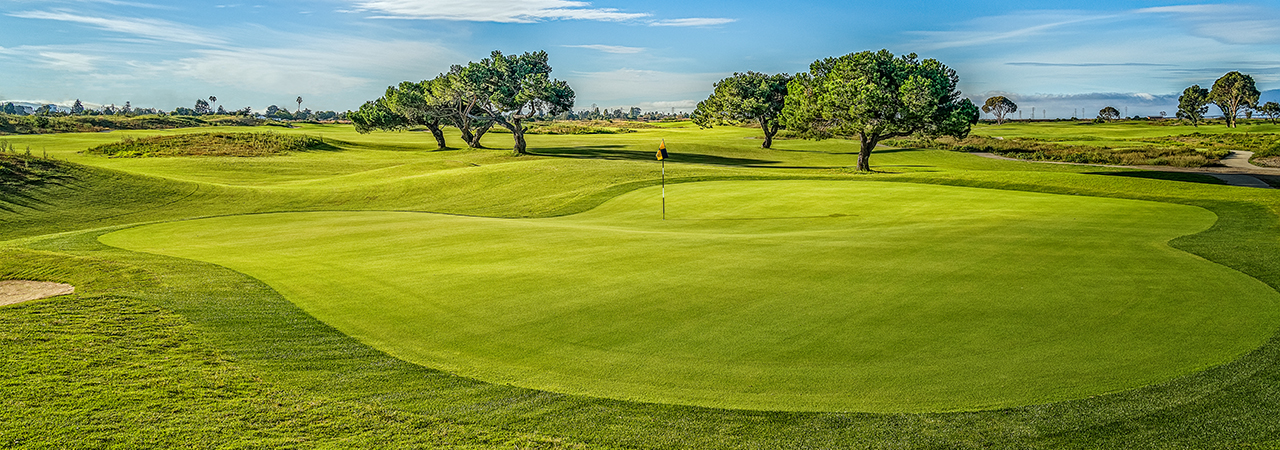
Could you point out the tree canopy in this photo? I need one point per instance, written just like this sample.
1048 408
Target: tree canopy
1193 104
1109 113
509 89
744 97
999 106
877 96
407 105
1271 110
1233 93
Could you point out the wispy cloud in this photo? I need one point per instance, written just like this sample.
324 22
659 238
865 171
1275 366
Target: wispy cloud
153 29
1126 64
608 48
327 67
692 22
74 62
504 11
1229 24
642 85
981 34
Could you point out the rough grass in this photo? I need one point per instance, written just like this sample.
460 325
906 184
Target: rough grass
208 144
281 347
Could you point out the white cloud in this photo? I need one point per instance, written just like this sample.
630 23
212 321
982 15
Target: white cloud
608 48
155 29
506 11
692 22
73 62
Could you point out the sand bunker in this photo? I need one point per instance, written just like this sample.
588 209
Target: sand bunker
18 291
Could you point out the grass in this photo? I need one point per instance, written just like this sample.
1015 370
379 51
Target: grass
208 144
617 303
283 349
1119 144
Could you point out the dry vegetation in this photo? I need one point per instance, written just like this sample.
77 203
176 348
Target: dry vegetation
208 144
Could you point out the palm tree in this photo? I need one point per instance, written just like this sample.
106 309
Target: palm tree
299 104
212 101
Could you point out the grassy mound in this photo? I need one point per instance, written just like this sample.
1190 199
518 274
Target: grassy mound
1142 153
208 144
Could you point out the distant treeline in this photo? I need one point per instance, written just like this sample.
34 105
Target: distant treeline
32 124
21 119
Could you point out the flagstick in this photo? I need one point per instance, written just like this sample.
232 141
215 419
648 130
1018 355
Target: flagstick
664 189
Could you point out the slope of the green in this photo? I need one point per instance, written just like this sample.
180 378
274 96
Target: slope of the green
784 295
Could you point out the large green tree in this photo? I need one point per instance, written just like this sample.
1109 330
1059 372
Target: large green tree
1271 110
1109 113
876 96
1233 93
744 97
509 89
999 106
1193 104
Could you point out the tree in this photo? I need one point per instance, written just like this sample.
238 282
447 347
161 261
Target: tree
404 106
299 100
212 101
877 96
509 89
1193 104
1108 113
1233 93
745 97
271 110
1271 110
77 108
202 107
454 91
999 106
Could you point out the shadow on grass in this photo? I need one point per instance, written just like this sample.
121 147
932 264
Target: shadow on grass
1167 176
615 152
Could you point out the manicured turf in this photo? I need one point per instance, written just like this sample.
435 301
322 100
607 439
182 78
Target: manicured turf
240 342
781 295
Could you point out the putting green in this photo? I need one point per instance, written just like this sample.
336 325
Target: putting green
779 295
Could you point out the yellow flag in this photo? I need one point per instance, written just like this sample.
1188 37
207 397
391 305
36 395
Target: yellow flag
662 150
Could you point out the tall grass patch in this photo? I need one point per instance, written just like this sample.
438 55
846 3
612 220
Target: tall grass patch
208 144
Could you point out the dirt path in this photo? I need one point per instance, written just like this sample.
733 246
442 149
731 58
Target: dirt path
18 291
1237 171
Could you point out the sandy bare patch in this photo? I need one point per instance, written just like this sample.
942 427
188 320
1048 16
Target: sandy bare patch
1272 161
18 291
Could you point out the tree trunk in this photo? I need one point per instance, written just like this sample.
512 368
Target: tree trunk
475 140
466 135
864 154
434 126
769 131
517 133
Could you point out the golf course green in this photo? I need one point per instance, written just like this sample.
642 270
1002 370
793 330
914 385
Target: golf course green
796 295
378 292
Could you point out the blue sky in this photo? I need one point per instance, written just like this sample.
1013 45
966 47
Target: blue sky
657 55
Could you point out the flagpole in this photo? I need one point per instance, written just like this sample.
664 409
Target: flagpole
664 189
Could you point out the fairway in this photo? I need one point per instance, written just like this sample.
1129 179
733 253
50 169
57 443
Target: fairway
774 295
